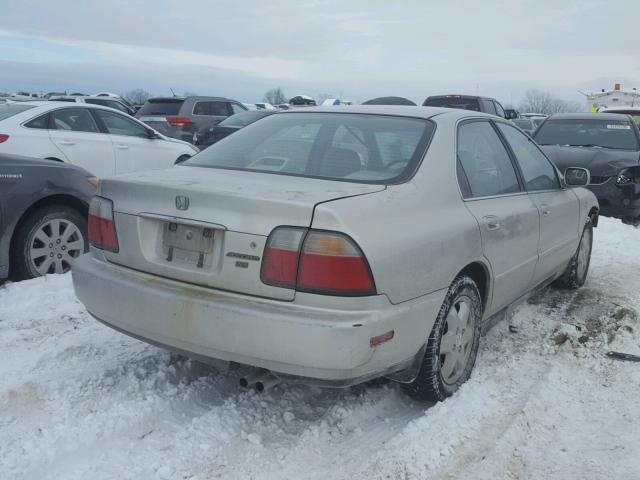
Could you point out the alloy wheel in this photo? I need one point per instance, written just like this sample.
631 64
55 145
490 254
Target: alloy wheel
54 246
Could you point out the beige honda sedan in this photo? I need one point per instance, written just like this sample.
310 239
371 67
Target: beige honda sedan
329 247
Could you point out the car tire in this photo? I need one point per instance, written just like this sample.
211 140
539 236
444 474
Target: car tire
576 273
38 249
182 159
441 373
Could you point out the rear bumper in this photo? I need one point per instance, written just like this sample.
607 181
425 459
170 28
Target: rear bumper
330 343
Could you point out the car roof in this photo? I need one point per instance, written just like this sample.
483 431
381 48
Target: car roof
585 116
180 99
395 110
46 105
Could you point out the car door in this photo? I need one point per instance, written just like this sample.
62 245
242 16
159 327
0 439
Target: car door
506 215
135 150
559 207
74 131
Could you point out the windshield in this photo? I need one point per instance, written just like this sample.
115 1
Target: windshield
614 134
10 109
242 119
347 147
453 101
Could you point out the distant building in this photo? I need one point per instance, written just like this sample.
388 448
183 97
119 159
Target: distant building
612 98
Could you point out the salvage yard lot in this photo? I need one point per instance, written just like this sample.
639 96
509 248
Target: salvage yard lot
79 400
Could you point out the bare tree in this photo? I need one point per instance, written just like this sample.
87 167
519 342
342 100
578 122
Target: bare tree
137 96
539 101
275 96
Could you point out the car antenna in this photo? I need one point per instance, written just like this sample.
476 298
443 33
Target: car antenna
172 92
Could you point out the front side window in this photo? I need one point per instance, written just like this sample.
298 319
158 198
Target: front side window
337 146
485 161
120 125
499 110
488 106
593 132
537 170
74 120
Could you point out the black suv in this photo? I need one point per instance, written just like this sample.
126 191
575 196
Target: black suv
467 102
185 118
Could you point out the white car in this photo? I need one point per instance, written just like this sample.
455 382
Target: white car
101 140
23 96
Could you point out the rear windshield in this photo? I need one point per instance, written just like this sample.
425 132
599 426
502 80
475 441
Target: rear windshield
614 134
10 109
161 107
453 101
347 147
242 119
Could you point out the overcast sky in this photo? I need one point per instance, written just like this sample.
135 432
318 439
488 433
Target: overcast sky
355 49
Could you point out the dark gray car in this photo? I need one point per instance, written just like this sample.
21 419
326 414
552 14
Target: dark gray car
43 215
185 117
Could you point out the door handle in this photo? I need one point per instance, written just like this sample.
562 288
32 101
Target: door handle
492 222
546 212
122 147
67 142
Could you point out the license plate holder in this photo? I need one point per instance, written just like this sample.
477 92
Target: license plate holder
187 244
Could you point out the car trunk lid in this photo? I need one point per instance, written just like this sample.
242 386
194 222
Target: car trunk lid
209 226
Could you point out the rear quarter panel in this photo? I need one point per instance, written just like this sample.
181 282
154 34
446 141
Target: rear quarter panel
416 236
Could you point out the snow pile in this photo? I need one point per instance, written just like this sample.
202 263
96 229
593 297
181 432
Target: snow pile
78 400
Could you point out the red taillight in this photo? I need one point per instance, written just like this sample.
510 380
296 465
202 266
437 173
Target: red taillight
280 262
102 228
178 121
328 263
3 138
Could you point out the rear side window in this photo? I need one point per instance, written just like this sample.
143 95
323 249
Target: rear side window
453 101
74 120
41 122
485 162
10 109
216 109
347 147
161 106
537 170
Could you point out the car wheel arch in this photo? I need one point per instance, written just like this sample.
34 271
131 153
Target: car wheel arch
480 273
51 200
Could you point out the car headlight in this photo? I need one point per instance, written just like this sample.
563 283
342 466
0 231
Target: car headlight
625 177
94 181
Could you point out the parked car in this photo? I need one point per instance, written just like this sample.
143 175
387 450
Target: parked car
624 110
525 124
283 106
23 97
330 246
302 101
390 101
264 106
228 126
43 216
48 95
466 102
101 140
183 117
608 144
104 101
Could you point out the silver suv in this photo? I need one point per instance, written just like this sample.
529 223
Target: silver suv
185 117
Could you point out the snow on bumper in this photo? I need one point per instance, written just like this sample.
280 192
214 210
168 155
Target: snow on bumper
327 342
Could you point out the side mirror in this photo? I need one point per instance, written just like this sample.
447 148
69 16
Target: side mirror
577 177
151 134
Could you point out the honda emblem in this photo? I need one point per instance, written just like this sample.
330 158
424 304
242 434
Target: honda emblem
182 203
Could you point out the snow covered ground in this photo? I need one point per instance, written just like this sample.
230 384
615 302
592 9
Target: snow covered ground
80 401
